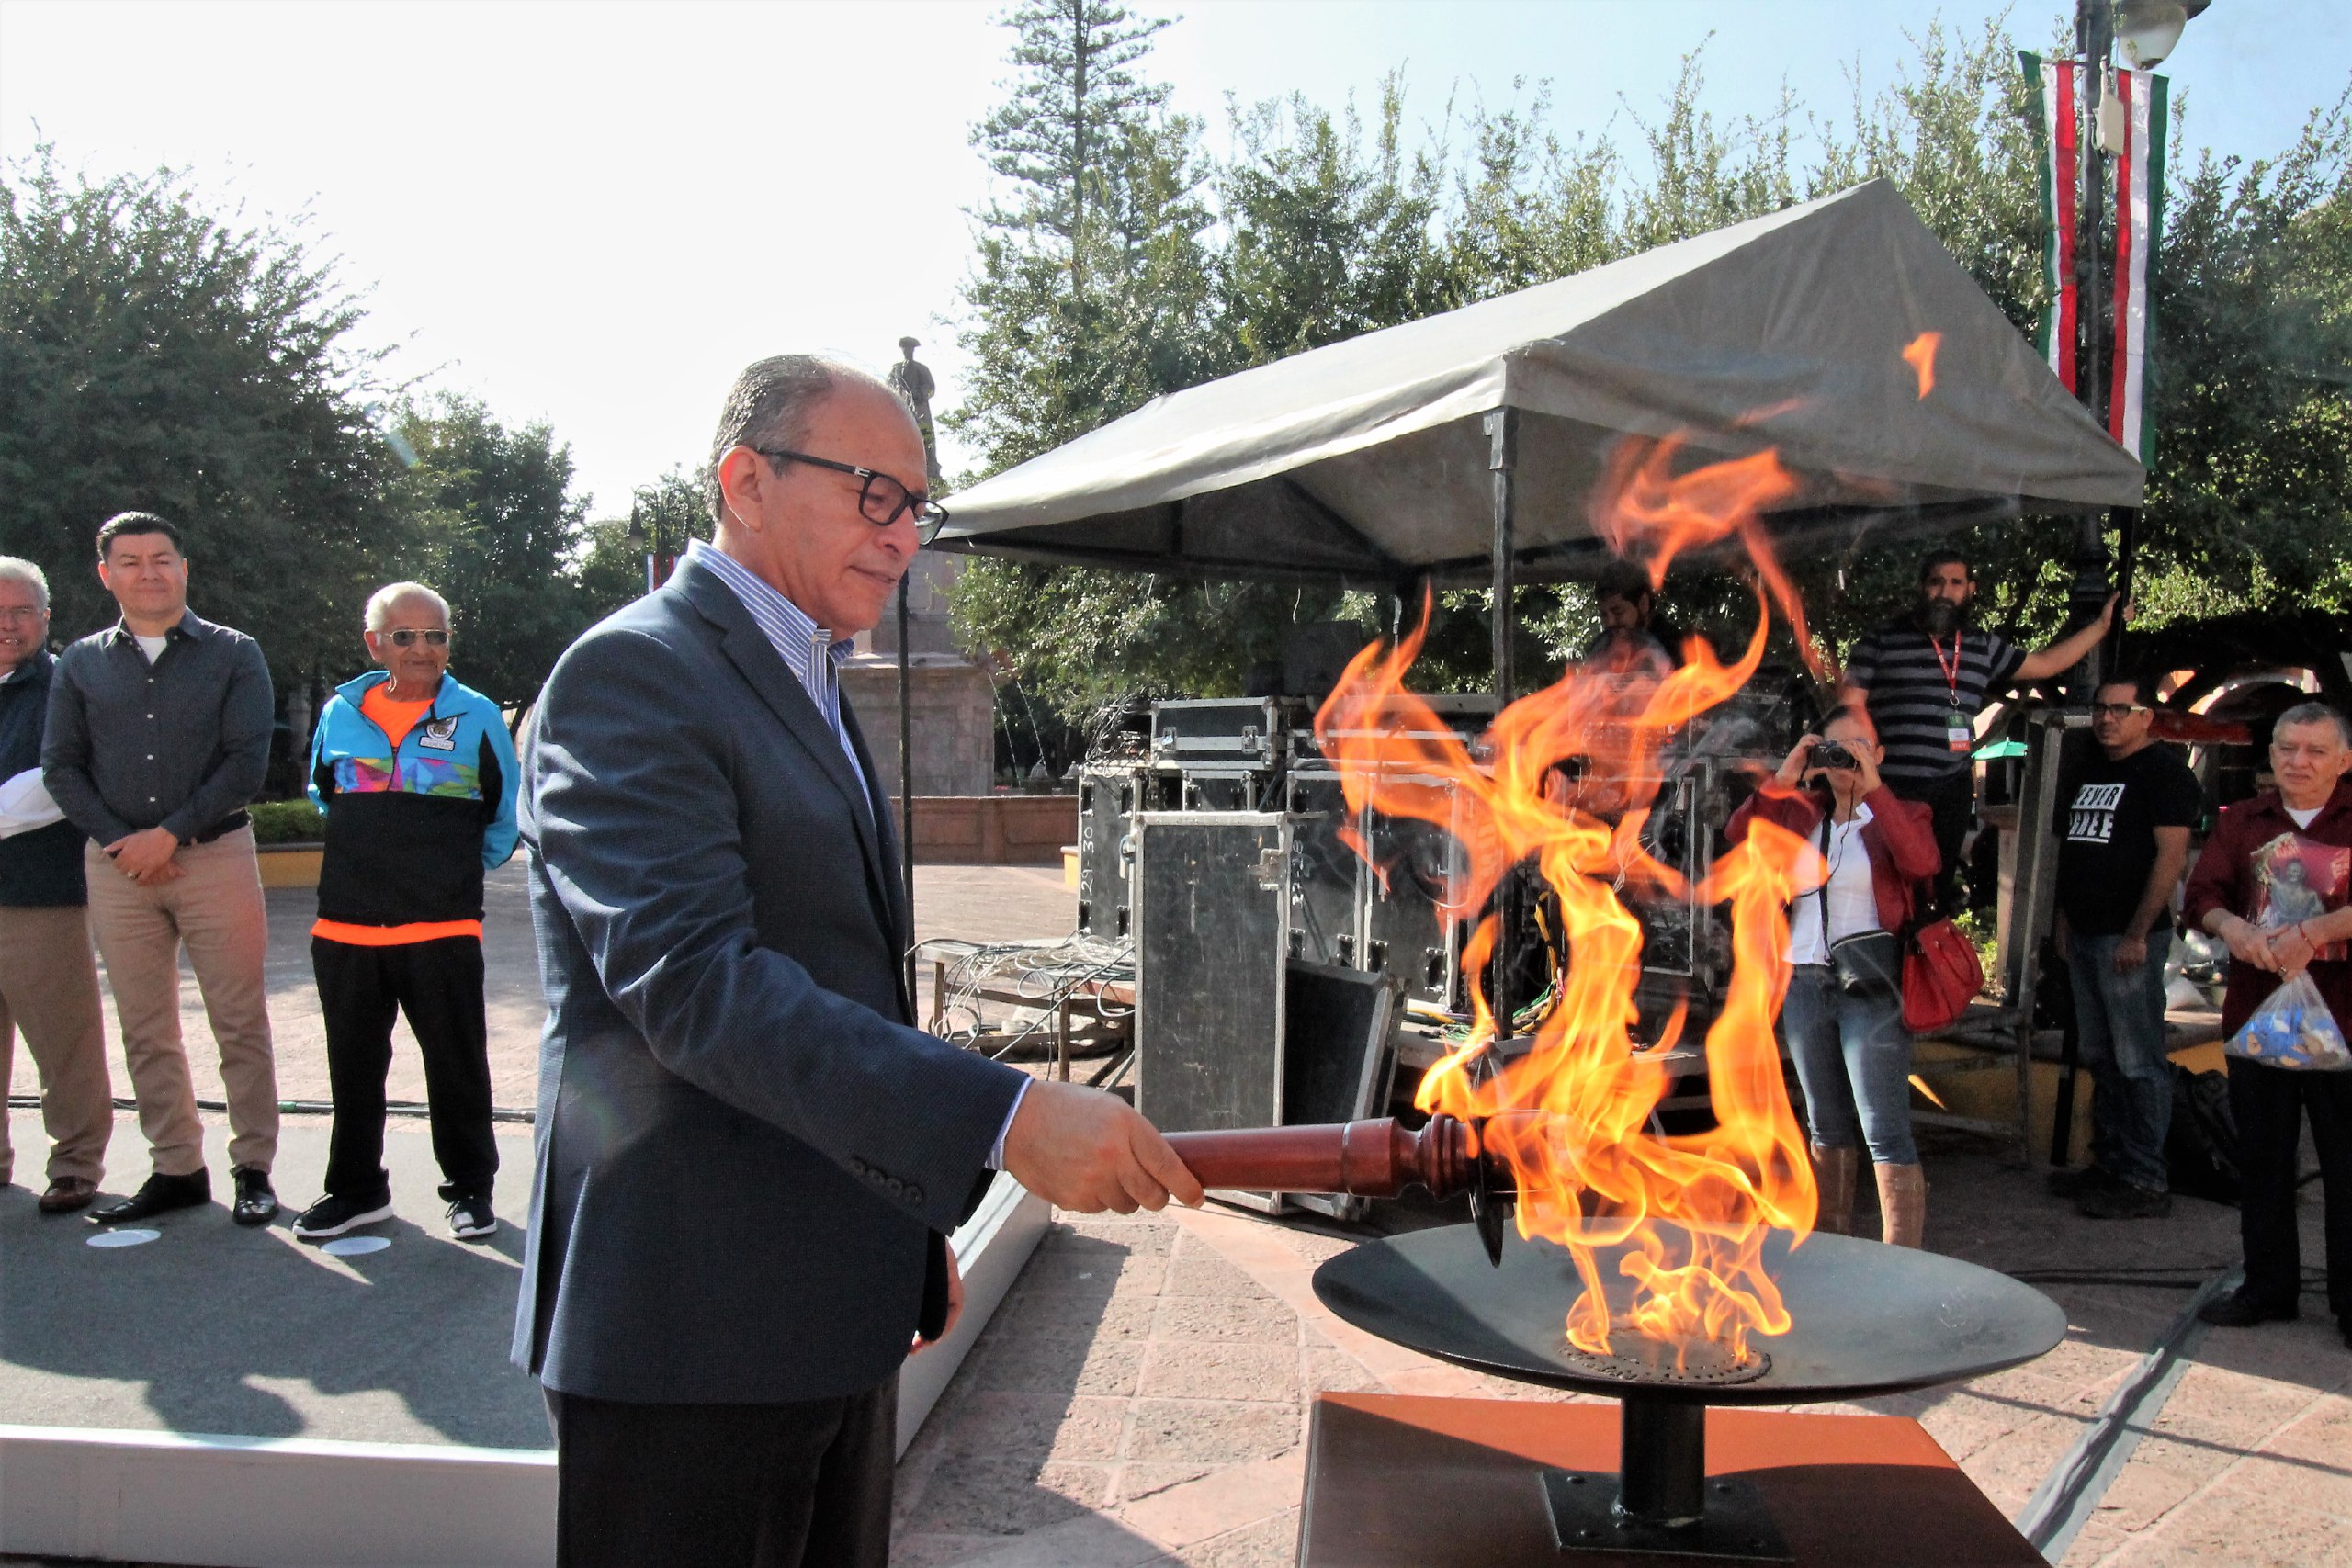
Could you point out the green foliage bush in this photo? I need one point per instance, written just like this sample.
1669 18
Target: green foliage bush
286 822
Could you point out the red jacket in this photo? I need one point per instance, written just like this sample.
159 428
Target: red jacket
2223 878
1900 837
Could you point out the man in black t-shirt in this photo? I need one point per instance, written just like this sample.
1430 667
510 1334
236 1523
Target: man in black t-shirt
2122 825
1925 677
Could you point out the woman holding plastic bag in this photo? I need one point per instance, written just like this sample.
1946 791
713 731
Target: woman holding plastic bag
2275 883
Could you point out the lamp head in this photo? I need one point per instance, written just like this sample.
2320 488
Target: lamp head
2149 30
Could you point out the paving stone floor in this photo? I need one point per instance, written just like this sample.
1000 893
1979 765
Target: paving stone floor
1142 1397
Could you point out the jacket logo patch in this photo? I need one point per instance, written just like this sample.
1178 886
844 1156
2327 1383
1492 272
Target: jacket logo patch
440 734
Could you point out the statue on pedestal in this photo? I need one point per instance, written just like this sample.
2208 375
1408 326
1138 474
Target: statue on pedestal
912 379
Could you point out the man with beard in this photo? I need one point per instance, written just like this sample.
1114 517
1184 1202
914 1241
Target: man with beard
1925 677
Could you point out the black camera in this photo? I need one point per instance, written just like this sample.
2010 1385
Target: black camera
1831 754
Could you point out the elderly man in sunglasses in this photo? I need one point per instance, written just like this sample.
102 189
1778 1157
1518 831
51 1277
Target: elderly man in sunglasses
417 778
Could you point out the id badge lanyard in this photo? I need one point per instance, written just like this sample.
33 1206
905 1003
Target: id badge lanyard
1960 727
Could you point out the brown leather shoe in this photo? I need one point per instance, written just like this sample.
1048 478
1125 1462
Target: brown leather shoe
66 1194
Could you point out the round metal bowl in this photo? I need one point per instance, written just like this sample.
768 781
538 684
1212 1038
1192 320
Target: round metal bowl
1868 1318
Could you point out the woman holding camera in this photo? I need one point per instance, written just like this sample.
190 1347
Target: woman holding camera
1844 1012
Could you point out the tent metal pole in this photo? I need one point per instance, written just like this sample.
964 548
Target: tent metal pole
1502 432
2127 549
906 780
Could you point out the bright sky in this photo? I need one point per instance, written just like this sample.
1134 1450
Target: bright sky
594 214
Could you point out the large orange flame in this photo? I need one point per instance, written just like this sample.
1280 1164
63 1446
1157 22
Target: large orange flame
1574 1116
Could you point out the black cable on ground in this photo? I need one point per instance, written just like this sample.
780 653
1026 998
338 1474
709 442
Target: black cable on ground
2071 1490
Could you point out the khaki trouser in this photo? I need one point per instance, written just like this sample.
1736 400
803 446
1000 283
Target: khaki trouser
218 912
49 988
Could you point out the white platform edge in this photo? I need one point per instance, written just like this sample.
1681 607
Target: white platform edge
230 1502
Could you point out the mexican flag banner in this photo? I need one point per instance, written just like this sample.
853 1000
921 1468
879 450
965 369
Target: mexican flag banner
2140 212
2056 85
2138 121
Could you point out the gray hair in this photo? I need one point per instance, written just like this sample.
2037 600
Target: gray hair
770 405
2313 713
380 603
15 569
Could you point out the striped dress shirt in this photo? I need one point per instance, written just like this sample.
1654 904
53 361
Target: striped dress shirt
807 649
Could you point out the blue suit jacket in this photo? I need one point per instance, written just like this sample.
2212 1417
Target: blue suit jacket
746 1153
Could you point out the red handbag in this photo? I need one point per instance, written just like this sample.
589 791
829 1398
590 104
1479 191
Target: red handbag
1940 976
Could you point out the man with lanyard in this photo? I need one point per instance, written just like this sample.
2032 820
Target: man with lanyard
2123 824
1925 677
417 778
158 735
2306 823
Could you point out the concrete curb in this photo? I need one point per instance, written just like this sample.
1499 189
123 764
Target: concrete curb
235 1502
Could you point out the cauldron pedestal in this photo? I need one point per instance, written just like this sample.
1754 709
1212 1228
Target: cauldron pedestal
1865 1319
1397 1481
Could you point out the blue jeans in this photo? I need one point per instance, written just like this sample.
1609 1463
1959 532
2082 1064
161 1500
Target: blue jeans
1853 1059
2120 1020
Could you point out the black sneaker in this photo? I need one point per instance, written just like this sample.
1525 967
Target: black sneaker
256 1200
2123 1200
2239 1309
471 1218
2075 1183
331 1215
159 1194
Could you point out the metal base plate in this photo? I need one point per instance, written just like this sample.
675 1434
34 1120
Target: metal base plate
1736 1528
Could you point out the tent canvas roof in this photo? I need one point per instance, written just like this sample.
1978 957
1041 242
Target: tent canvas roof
1366 460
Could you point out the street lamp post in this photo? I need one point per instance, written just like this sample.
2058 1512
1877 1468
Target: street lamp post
640 540
2148 30
2095 39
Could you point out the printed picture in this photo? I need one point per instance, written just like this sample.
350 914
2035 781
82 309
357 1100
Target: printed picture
2298 879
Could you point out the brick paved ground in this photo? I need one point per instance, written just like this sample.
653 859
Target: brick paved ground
1142 1397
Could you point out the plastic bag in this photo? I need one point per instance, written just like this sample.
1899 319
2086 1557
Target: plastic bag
2293 1028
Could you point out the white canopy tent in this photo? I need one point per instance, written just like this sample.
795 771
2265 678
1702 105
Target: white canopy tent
1469 443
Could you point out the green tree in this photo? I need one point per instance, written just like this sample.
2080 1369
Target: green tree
667 513
1089 286
500 535
1325 230
157 353
2249 392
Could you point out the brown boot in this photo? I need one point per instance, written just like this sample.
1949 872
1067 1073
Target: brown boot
1902 1200
1832 1173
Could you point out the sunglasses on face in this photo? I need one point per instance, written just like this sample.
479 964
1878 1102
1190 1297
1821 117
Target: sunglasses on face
881 500
406 636
2115 710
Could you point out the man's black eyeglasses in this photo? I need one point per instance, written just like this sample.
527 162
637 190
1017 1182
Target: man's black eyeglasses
406 637
882 499
2115 710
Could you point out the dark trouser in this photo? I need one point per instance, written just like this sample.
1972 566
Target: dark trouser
438 985
2268 1103
1952 799
725 1486
2121 1022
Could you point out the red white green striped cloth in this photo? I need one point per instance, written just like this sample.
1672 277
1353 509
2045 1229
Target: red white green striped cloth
2066 145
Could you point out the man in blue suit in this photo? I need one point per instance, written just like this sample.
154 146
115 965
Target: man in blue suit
748 1158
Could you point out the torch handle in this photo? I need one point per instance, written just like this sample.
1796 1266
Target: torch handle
1365 1159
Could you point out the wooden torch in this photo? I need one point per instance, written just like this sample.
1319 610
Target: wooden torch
1365 1159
